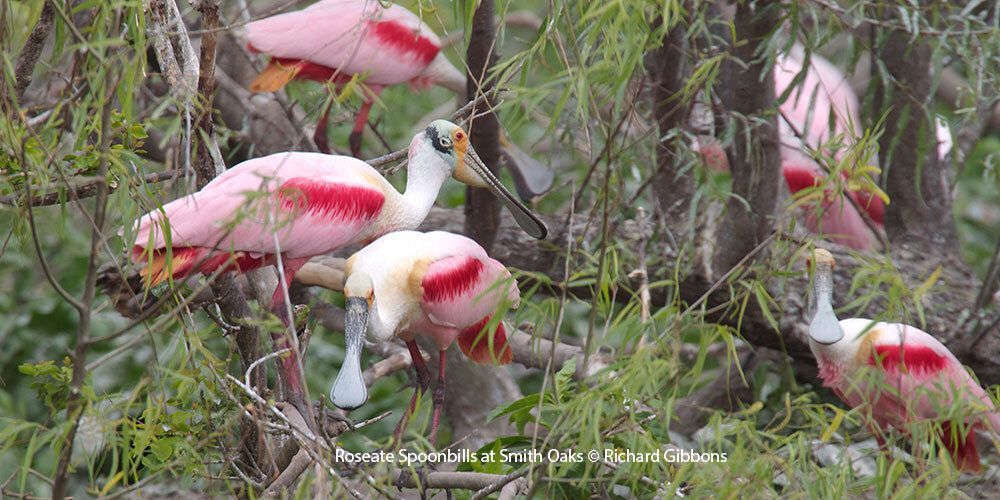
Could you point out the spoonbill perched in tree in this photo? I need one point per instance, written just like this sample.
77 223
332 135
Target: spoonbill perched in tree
300 205
437 284
897 373
335 40
820 108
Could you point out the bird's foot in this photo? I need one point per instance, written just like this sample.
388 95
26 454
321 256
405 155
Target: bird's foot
334 423
305 411
422 472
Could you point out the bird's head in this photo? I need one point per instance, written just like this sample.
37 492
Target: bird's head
822 257
349 391
450 143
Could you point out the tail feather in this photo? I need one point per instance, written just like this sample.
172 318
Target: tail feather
962 448
181 262
184 261
474 343
274 77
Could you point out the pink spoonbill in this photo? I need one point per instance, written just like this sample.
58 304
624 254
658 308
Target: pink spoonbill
897 373
440 285
299 205
336 40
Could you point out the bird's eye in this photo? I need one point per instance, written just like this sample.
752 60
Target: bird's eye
445 142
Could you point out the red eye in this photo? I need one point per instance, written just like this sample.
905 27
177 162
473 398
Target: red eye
459 136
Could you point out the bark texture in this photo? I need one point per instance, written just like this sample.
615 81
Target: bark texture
754 158
482 210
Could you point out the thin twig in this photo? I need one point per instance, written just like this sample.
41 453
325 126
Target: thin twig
74 408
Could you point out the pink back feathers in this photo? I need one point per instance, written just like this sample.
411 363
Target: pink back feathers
464 291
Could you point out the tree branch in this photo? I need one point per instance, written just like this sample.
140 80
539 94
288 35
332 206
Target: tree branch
33 49
207 165
84 190
482 211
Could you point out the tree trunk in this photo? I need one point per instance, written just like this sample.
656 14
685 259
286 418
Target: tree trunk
754 159
482 212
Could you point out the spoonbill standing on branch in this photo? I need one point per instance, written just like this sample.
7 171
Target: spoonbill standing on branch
897 373
336 40
299 205
437 284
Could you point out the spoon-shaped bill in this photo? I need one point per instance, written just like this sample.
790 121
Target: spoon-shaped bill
476 174
349 391
532 178
825 328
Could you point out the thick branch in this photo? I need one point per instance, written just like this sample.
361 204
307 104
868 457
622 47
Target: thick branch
755 158
206 165
673 186
33 48
482 211
913 176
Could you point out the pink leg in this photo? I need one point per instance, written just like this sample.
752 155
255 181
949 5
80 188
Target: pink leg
423 383
438 397
359 126
320 136
289 366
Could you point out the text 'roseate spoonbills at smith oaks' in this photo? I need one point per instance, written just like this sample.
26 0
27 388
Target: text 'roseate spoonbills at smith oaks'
335 40
300 205
437 284
897 373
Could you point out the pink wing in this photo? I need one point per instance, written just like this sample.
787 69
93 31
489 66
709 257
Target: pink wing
840 221
314 204
925 373
463 291
389 45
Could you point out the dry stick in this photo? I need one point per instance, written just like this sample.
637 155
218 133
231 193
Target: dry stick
501 483
81 191
74 410
760 246
33 49
642 273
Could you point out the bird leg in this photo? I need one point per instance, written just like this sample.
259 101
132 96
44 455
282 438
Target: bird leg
322 142
438 397
289 365
423 383
354 140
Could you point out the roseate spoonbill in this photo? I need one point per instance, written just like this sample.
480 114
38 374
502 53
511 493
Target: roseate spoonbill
300 205
915 376
437 284
334 40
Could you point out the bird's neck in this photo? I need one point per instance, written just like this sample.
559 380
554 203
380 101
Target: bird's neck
407 211
423 182
823 290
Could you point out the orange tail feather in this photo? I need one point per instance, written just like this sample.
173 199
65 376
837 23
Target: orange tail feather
474 343
159 269
274 77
